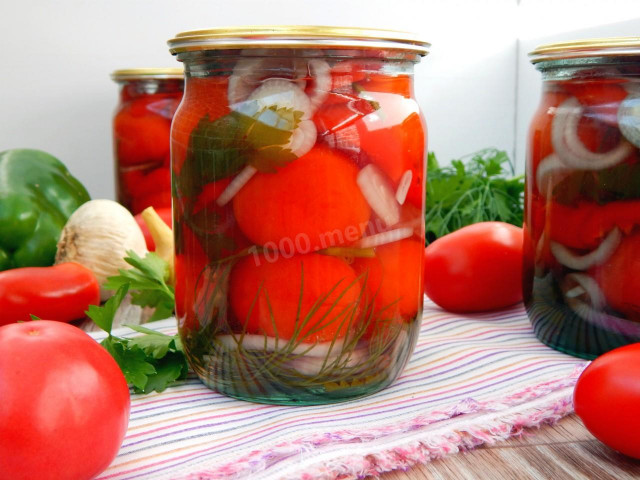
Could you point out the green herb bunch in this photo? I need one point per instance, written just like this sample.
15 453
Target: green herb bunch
477 188
152 360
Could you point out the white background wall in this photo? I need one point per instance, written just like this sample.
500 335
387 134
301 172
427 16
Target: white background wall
55 91
56 95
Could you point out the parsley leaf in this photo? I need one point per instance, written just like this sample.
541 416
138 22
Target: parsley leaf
474 189
222 147
148 282
152 360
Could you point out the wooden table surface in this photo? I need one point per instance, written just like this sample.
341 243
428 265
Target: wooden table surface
562 451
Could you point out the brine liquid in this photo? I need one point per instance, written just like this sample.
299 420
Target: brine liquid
298 206
582 216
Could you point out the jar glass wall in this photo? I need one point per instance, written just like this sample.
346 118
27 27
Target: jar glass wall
298 182
141 130
582 199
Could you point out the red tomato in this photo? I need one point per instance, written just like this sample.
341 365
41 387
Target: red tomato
285 207
600 97
157 199
304 297
164 214
65 403
393 277
476 268
60 292
140 139
607 396
620 280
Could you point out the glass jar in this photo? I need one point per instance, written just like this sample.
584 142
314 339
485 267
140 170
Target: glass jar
582 199
298 182
141 129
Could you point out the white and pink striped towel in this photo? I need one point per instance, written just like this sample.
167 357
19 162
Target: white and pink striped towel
472 379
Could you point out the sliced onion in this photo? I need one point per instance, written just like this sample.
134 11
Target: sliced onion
629 118
583 262
571 150
321 75
377 191
313 365
383 238
549 173
264 343
245 79
303 138
403 186
278 92
236 184
590 287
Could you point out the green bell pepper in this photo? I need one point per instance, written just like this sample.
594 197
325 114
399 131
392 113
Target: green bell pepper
37 196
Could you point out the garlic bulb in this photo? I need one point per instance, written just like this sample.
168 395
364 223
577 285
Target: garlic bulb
98 236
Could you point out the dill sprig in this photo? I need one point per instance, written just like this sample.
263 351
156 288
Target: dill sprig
477 188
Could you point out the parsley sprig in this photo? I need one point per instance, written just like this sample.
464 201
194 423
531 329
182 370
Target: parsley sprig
477 188
152 360
148 281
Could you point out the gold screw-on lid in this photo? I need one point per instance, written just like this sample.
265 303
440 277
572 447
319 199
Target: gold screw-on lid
296 36
147 73
595 47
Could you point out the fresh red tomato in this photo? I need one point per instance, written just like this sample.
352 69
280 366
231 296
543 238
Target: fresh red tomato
620 280
60 292
164 214
607 396
476 268
65 403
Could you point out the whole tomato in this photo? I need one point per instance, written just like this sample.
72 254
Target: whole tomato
65 403
476 268
607 396
620 280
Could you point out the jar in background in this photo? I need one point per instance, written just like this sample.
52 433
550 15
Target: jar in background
298 181
141 129
582 199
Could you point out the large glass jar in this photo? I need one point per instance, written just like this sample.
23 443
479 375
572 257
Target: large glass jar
582 200
141 130
298 181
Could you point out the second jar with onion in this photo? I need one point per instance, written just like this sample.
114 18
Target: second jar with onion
582 201
141 128
298 182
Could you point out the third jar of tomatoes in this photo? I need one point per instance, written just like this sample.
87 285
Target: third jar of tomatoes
582 200
141 128
298 195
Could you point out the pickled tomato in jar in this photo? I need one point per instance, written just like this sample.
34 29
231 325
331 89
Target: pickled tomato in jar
298 182
149 98
582 202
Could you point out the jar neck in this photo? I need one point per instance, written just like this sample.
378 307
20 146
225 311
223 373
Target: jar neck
132 89
590 68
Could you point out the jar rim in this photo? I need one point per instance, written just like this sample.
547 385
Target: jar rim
296 36
147 73
585 48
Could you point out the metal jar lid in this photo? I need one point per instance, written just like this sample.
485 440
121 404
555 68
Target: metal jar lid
296 36
129 74
595 47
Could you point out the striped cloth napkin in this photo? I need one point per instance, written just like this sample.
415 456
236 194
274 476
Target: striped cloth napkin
473 379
